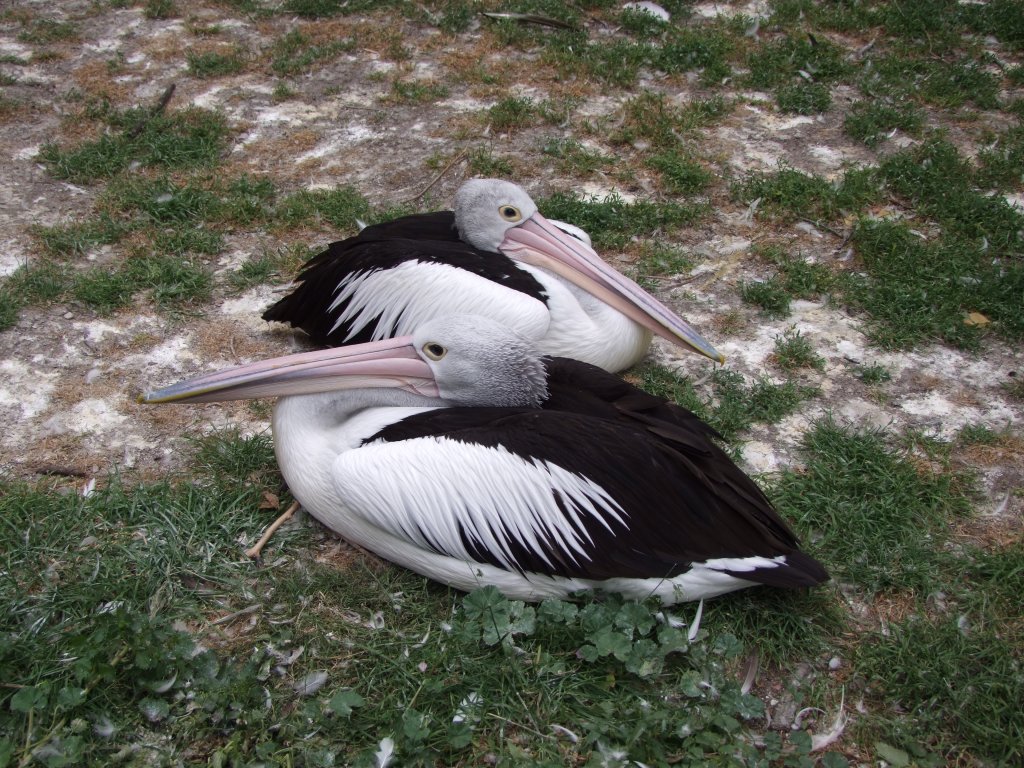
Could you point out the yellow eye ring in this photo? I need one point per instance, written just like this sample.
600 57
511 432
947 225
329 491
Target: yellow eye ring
434 351
509 213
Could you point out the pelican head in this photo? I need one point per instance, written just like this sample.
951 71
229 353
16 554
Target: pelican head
498 216
463 360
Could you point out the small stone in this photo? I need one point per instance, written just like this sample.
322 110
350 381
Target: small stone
835 663
68 315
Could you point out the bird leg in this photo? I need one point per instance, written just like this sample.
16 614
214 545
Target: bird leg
254 551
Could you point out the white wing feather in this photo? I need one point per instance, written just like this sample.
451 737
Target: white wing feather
428 490
413 292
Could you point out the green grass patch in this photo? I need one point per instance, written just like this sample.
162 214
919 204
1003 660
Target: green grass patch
270 266
789 193
295 53
62 241
649 117
680 173
804 98
339 207
947 84
205 64
512 114
171 281
873 374
1002 161
191 138
939 182
794 351
639 23
777 63
769 295
483 162
707 50
733 405
870 120
159 9
658 259
879 519
104 290
45 31
612 223
418 91
920 292
958 684
801 279
573 157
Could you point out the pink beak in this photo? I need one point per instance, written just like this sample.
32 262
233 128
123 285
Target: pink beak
539 243
387 363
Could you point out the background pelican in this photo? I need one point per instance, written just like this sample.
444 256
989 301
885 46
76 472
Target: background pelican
462 454
495 256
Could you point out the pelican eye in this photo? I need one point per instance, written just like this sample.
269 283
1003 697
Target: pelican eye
434 351
510 213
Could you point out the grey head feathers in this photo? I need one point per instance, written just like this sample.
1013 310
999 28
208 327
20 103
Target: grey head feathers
479 362
486 208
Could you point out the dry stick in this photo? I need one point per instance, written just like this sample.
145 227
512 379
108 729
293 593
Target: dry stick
254 551
161 105
437 178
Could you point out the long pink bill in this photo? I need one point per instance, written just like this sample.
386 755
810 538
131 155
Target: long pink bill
539 243
387 363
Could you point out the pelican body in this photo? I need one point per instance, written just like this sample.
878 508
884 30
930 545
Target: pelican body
462 454
493 256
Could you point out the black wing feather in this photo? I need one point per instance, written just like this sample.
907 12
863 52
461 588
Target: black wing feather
425 237
684 499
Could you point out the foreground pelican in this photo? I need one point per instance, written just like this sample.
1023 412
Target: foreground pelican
463 455
496 256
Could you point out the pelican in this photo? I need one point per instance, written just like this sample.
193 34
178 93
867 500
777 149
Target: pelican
463 454
495 255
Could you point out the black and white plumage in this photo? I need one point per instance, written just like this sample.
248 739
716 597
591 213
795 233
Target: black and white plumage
463 455
493 256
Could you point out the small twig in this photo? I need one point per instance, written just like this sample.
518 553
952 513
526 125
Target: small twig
530 18
254 551
53 469
161 105
437 178
236 615
826 227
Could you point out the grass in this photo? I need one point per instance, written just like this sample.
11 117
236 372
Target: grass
804 98
880 518
871 121
970 665
512 114
770 295
733 405
611 222
206 64
418 92
794 351
295 53
573 157
46 31
680 174
651 118
917 292
190 138
873 374
789 193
